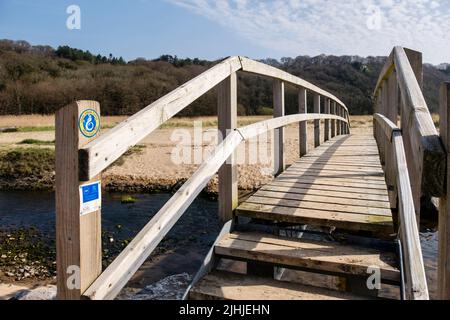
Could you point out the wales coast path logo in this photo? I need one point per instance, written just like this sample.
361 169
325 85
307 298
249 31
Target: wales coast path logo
89 123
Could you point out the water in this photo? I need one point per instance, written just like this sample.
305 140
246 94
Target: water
197 228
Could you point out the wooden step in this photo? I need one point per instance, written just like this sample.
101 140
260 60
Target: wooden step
220 285
328 257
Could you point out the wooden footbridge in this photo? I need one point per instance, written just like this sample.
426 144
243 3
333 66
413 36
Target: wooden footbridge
340 223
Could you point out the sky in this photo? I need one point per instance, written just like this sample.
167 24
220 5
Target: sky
213 29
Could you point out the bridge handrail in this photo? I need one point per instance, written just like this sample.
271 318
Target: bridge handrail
425 155
81 160
103 151
416 283
117 274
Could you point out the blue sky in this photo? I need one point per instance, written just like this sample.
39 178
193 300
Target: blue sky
214 29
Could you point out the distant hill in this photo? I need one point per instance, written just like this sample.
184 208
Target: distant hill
41 79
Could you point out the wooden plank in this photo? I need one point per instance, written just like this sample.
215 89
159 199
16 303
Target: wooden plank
386 71
342 163
393 106
316 122
326 193
327 122
256 129
444 208
338 176
78 238
331 170
320 185
386 125
220 285
100 153
298 166
260 198
416 283
339 124
278 134
343 220
429 170
333 122
330 182
303 132
315 255
322 199
272 72
227 118
416 62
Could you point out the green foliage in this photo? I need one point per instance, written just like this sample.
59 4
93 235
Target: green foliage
37 142
39 79
80 55
36 129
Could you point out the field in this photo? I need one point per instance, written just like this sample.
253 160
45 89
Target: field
150 166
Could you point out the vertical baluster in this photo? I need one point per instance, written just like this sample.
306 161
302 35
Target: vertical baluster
316 122
303 132
327 122
278 100
227 117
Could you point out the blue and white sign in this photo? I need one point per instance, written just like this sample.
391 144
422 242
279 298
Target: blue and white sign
89 123
90 198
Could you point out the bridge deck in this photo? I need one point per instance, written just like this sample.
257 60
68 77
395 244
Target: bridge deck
340 184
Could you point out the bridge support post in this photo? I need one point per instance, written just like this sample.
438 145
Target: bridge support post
227 117
333 122
316 122
78 219
339 122
444 208
303 129
278 135
327 122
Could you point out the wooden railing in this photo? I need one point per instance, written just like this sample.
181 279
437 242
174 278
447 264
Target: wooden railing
399 91
444 207
415 280
81 160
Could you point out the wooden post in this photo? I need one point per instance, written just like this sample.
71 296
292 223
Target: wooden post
303 132
78 228
444 209
278 110
327 122
392 98
339 123
333 122
316 122
416 62
227 115
391 108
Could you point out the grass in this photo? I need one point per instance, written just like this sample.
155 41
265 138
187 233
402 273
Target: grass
37 142
36 129
26 162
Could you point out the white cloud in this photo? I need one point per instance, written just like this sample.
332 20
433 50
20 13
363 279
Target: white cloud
293 27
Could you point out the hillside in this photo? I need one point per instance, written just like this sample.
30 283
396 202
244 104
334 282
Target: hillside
40 79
